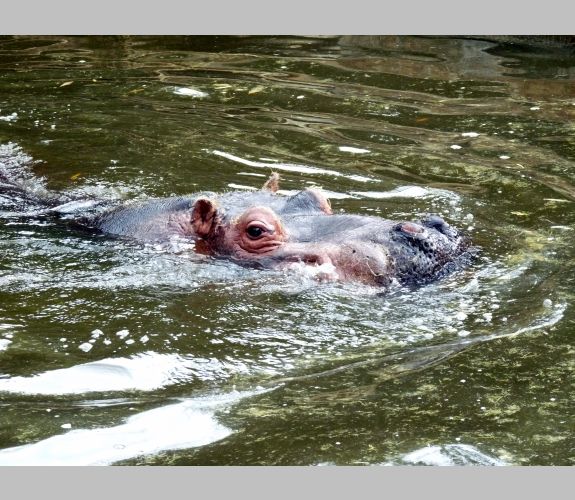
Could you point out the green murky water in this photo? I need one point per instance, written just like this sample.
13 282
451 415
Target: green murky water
119 353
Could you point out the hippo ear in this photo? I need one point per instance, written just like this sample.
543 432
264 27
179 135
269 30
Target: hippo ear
272 184
308 201
204 216
321 199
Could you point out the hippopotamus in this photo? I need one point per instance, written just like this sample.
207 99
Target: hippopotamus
267 230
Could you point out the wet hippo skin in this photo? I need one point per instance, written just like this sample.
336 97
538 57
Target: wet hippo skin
266 230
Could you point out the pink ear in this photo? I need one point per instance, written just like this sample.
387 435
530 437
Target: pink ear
322 200
204 216
272 184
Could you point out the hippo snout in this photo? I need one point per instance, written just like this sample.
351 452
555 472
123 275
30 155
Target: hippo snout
366 262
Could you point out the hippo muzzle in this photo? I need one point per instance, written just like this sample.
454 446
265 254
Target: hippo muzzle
350 261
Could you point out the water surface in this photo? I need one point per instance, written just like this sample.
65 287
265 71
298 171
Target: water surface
113 352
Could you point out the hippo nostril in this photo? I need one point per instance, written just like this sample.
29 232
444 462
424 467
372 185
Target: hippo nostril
410 230
434 221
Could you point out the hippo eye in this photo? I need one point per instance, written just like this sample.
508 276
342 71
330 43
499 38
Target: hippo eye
255 232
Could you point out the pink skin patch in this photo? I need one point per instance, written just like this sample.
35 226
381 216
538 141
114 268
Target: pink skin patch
257 232
409 227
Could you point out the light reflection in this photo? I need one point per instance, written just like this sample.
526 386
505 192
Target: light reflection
291 167
143 372
188 424
409 192
189 92
450 454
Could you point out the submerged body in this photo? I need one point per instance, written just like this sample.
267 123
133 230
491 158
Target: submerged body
267 230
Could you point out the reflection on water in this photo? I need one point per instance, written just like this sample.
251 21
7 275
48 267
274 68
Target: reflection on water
188 424
450 454
99 337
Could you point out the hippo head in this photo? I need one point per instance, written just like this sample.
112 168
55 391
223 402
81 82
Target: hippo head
267 230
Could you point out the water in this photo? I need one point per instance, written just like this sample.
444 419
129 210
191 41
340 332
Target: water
114 352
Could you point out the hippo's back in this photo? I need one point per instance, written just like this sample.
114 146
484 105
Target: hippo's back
147 221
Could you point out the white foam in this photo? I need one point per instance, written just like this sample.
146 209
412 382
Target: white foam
326 270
